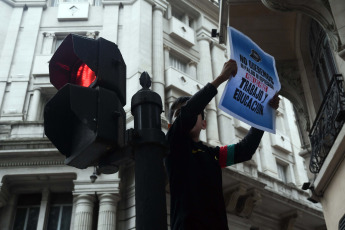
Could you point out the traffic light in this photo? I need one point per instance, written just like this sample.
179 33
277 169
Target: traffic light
85 120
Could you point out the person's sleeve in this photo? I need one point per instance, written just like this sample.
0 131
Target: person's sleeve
195 105
245 149
226 155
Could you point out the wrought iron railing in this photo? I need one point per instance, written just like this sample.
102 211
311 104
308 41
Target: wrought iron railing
328 123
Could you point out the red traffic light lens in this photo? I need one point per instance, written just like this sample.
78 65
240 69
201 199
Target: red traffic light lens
84 76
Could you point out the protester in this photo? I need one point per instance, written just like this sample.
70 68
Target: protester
194 169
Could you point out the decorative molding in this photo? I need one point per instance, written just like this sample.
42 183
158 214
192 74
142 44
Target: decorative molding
289 219
247 203
166 47
32 163
27 3
117 2
233 195
49 35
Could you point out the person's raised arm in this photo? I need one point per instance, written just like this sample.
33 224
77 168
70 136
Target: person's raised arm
245 149
199 100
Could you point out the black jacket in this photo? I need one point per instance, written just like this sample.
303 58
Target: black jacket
194 172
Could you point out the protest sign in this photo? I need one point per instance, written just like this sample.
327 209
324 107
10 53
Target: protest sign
246 95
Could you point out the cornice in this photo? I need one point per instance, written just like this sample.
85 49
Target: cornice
25 163
160 5
117 2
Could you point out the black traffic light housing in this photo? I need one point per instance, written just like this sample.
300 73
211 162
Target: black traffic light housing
85 120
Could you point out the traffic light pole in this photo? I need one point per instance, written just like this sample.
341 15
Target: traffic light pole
150 147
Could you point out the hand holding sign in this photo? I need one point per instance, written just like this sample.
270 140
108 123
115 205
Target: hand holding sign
255 86
229 70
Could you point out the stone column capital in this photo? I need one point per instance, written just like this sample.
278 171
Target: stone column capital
91 34
191 62
203 37
49 35
167 48
108 197
37 88
85 198
159 8
161 5
219 46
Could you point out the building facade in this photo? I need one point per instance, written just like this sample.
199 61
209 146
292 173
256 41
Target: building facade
307 39
171 40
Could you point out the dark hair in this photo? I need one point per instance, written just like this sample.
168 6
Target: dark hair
178 103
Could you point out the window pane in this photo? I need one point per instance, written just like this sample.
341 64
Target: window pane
66 218
178 64
282 172
59 40
53 218
33 218
20 219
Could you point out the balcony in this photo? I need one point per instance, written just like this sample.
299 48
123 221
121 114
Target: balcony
181 31
328 123
177 80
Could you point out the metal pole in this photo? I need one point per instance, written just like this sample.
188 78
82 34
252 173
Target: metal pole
150 148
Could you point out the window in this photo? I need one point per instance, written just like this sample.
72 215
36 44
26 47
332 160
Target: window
58 41
177 63
60 211
321 55
282 172
27 212
60 217
177 14
342 223
59 37
43 101
182 16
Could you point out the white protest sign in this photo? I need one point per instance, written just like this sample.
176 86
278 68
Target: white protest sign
246 95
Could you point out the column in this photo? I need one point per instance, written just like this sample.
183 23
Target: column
120 33
158 83
48 42
204 76
107 211
34 105
83 212
166 57
43 215
8 48
225 122
110 20
22 63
